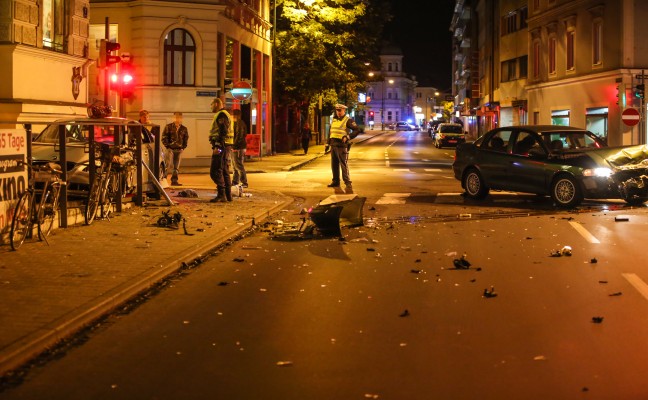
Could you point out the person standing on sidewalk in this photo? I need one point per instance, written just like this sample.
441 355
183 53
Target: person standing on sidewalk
305 137
221 137
238 151
174 138
342 130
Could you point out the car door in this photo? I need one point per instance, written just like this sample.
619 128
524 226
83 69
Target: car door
493 157
527 165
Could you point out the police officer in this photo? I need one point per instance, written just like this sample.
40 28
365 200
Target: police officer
342 130
221 137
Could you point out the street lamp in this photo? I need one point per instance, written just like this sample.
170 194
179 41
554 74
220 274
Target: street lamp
382 110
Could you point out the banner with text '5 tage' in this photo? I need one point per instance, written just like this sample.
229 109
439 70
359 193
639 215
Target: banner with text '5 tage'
13 175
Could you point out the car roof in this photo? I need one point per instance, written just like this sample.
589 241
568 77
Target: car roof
549 128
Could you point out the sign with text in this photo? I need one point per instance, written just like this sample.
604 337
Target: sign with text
253 145
13 174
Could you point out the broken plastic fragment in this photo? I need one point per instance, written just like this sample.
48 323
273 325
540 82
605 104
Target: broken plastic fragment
370 249
284 363
223 283
566 251
597 320
238 259
593 261
461 263
621 218
616 294
489 293
371 396
415 271
405 313
539 358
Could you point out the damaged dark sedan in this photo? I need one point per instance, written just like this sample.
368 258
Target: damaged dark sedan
569 164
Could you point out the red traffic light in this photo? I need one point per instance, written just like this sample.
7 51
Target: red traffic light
123 81
371 113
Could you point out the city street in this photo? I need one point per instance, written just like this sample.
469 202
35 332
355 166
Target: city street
390 311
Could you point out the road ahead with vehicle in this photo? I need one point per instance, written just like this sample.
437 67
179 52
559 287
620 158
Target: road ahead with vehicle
392 311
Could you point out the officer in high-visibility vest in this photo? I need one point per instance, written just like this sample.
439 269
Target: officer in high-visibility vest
221 137
342 130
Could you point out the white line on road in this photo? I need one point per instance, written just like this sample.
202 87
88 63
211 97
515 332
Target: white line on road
584 232
393 198
401 170
638 284
433 170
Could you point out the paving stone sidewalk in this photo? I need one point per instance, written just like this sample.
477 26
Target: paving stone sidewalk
49 292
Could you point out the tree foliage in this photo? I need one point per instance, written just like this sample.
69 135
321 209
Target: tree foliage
323 45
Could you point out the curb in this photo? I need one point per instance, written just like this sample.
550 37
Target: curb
300 164
32 345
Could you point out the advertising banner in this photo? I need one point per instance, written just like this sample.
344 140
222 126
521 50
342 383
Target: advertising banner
13 174
253 146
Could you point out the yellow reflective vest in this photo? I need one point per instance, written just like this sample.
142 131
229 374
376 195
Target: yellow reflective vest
229 137
339 128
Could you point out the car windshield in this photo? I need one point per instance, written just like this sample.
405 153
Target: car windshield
571 140
450 129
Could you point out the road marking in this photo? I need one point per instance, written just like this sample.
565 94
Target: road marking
393 198
584 232
448 194
401 170
433 170
638 284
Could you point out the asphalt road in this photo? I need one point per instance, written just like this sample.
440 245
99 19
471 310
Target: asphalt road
385 314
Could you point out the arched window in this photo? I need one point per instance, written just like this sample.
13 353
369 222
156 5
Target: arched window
179 58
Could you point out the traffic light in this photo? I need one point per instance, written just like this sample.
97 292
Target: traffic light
371 115
106 58
639 91
621 95
124 80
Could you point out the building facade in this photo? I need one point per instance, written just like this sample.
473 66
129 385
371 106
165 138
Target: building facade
183 55
563 62
43 59
391 92
427 104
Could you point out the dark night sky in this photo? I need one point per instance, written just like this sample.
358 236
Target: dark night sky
421 28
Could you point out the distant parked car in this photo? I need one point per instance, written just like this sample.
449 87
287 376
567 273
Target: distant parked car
448 134
566 163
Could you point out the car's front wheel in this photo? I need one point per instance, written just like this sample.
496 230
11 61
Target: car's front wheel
566 192
474 184
636 200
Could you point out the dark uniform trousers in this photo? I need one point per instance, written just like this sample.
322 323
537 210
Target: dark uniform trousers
339 160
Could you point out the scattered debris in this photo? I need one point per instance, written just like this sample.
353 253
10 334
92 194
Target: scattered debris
473 280
489 293
405 313
603 282
593 260
539 358
585 389
370 249
223 283
184 227
372 208
621 218
465 216
616 294
529 238
169 221
371 396
187 193
597 320
566 251
418 260
461 263
238 259
415 271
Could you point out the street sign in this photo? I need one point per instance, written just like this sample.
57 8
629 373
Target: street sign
641 76
630 116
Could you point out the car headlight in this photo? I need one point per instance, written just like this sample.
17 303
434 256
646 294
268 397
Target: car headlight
598 172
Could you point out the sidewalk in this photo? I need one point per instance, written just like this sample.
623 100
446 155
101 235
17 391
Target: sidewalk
293 160
49 292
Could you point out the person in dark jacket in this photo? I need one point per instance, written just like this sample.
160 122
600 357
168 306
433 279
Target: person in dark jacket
221 137
174 138
238 151
306 137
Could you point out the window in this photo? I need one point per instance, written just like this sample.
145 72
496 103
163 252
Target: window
536 59
552 55
536 5
524 143
53 24
523 66
389 67
524 15
389 115
498 142
570 50
560 117
597 39
389 94
509 70
179 58
396 67
509 23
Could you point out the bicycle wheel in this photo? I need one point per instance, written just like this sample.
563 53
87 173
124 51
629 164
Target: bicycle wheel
21 221
47 210
94 196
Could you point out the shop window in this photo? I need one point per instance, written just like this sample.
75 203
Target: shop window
596 121
560 117
53 24
179 58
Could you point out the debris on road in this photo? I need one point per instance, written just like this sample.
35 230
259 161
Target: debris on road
189 193
415 271
593 260
223 283
616 294
405 313
461 263
540 358
489 293
566 251
597 320
603 282
621 218
238 259
284 363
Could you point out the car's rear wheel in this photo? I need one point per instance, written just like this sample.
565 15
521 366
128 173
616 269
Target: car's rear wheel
474 184
636 200
566 192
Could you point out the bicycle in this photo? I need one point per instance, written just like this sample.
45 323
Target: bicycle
42 212
105 187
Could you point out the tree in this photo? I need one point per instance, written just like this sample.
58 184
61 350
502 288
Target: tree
322 47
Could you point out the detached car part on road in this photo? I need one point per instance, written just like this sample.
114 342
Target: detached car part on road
566 163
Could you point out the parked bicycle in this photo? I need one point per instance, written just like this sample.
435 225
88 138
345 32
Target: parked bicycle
116 165
37 206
